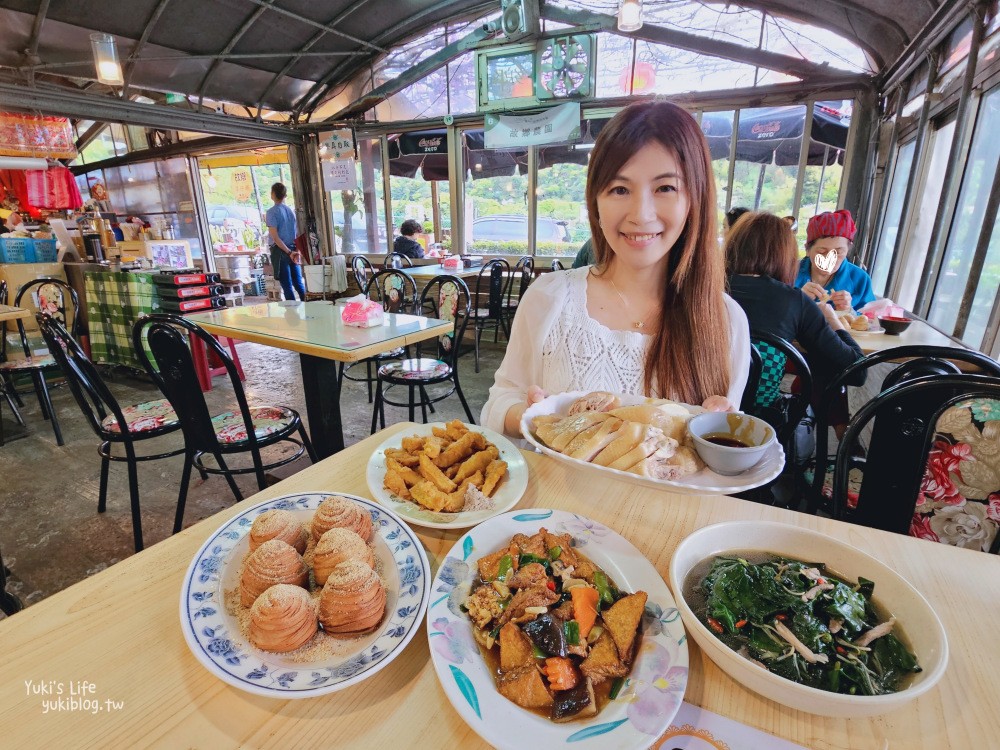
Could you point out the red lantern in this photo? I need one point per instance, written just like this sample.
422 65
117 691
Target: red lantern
524 87
643 79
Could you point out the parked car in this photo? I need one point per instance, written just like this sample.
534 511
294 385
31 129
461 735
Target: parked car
511 228
248 215
360 235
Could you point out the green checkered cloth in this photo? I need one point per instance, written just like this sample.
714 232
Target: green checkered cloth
115 300
772 371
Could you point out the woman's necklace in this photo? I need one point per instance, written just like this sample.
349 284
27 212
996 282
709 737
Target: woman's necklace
638 324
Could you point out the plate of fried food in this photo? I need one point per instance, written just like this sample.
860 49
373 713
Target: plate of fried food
637 439
549 628
447 475
304 595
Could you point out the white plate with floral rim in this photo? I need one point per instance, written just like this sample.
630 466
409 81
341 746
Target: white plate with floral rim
507 494
701 482
214 635
651 694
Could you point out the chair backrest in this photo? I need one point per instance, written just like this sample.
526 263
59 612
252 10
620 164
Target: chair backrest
830 393
397 260
363 270
448 298
524 273
50 296
932 466
753 379
164 350
557 265
3 291
92 395
492 285
394 289
779 352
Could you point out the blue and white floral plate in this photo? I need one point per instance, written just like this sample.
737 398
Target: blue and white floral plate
653 691
214 636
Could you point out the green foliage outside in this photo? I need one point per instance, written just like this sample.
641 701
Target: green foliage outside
514 247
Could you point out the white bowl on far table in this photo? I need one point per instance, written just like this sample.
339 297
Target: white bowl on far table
916 619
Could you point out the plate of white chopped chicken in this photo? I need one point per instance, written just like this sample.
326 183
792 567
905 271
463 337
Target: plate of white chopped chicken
635 439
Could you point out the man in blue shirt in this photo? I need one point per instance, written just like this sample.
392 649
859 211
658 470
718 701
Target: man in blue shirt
825 274
285 259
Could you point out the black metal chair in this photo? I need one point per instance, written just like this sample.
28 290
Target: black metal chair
164 351
50 297
9 604
450 302
113 424
557 265
7 390
363 270
925 359
487 306
397 260
907 419
753 379
523 274
398 293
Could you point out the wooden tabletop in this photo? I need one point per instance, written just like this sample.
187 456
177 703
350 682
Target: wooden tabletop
315 328
8 312
120 631
919 333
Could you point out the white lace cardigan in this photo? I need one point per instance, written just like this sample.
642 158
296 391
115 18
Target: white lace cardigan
556 345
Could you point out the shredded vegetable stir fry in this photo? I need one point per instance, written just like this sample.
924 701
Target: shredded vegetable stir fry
799 622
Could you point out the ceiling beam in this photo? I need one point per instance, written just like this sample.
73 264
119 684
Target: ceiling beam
305 51
31 51
137 47
74 104
314 96
200 147
423 68
243 29
310 22
693 43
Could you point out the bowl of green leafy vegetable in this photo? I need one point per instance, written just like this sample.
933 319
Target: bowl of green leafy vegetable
805 620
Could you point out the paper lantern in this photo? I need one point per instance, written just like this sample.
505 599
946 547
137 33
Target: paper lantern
643 78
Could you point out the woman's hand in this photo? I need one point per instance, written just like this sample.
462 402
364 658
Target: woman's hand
512 422
834 320
814 290
841 300
717 403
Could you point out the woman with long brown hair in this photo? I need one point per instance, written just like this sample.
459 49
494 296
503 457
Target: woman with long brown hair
651 315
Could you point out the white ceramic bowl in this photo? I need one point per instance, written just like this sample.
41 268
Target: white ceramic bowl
726 460
917 620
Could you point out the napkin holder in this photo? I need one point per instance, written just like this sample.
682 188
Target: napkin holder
362 313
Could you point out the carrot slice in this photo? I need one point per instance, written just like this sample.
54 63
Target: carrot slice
584 607
561 673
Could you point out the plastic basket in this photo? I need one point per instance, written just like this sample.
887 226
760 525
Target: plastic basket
17 250
45 251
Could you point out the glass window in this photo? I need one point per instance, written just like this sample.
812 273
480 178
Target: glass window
986 293
893 213
359 215
102 147
767 157
912 263
496 200
428 97
462 84
561 223
968 220
718 130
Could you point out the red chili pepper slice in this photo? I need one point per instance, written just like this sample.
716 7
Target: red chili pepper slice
841 650
741 623
715 624
550 585
781 617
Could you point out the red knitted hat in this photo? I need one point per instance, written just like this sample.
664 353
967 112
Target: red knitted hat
835 224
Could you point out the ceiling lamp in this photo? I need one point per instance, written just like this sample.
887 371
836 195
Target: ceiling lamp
109 70
212 182
630 15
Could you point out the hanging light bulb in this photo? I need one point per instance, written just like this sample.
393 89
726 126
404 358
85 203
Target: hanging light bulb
212 182
630 15
109 70
130 177
322 149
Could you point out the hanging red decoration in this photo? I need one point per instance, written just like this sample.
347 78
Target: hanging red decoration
642 79
524 87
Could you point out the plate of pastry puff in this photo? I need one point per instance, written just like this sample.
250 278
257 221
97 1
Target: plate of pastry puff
636 439
304 595
447 475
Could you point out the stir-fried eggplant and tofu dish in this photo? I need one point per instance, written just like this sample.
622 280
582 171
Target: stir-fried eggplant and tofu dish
557 632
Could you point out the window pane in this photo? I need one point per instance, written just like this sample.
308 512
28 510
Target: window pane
820 189
359 215
968 221
767 162
986 292
561 224
496 201
893 213
718 129
912 263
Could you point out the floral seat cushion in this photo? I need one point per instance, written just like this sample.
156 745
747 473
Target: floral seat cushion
959 498
267 420
149 415
415 369
45 360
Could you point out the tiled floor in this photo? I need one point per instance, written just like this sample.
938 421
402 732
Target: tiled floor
50 532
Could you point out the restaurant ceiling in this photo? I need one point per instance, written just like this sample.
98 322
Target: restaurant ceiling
285 56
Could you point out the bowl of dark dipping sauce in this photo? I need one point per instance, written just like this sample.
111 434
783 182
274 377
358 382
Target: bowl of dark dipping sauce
730 442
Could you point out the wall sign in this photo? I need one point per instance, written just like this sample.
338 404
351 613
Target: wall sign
242 183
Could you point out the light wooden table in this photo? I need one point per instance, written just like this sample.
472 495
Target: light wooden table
918 334
426 273
316 332
9 312
120 631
